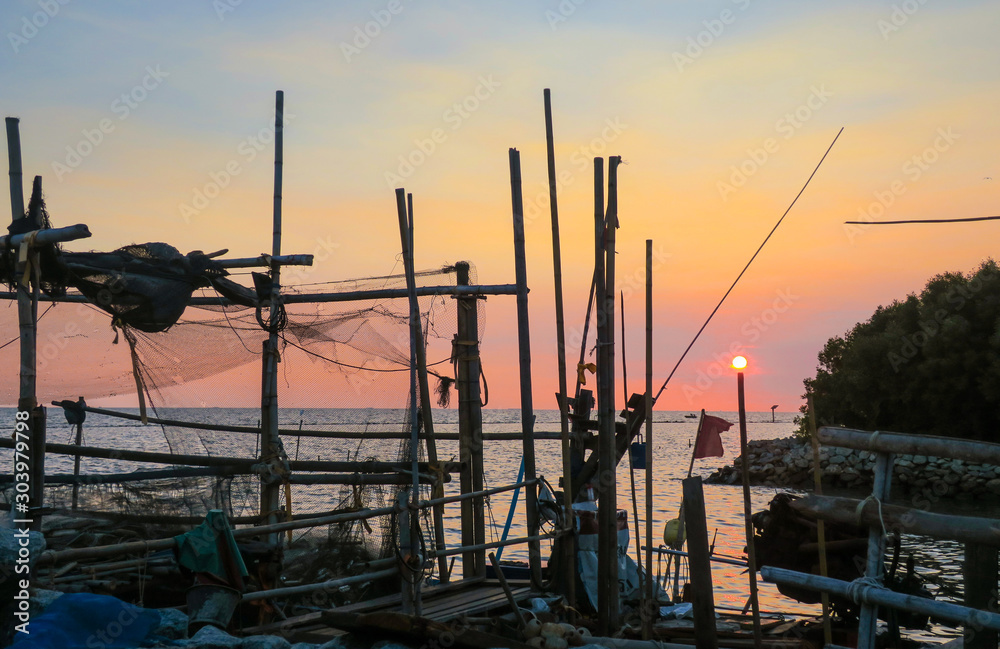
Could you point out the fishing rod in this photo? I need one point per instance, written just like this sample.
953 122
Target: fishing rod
717 306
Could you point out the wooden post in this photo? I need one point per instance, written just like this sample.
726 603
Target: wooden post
524 344
569 553
470 425
425 392
751 550
271 449
980 572
607 507
648 609
76 458
701 568
875 566
409 519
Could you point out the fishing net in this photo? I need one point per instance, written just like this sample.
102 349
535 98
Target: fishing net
182 333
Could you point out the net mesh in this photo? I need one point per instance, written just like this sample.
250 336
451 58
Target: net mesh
203 363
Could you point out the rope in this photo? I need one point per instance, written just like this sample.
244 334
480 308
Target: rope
856 589
871 441
859 512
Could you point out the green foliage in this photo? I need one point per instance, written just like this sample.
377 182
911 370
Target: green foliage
928 364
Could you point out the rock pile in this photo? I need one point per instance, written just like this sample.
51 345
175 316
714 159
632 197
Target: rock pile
788 463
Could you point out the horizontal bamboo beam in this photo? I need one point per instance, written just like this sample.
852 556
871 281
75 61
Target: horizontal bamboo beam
496 544
313 298
325 585
298 478
266 261
76 554
903 443
862 593
712 557
52 235
208 460
305 432
969 529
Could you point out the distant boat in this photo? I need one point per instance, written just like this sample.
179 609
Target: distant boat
691 416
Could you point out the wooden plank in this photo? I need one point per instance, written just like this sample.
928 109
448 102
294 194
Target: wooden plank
701 569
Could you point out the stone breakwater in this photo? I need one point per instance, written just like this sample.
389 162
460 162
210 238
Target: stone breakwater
788 463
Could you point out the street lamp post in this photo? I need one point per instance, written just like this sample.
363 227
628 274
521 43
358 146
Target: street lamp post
739 364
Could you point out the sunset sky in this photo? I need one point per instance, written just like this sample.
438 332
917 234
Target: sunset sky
150 122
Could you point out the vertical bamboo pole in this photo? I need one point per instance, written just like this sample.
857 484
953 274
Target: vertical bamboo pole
980 572
524 343
751 551
875 565
470 426
411 587
425 401
270 447
569 554
820 524
647 620
607 510
14 165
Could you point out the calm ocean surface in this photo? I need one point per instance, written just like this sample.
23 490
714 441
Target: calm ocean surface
940 561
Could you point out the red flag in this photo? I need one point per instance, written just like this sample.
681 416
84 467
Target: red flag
708 442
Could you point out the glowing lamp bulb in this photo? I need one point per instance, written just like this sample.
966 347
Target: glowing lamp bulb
739 362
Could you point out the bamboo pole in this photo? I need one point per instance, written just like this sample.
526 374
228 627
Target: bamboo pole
409 530
325 434
14 167
329 585
271 449
420 353
647 621
75 554
875 564
903 443
366 466
569 554
820 526
861 593
300 479
470 424
607 511
524 356
521 624
306 298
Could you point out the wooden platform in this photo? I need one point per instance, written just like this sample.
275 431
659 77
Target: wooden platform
441 603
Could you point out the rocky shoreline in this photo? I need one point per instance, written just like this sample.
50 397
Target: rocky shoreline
788 463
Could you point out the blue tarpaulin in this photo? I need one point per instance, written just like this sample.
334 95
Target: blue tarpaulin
87 621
